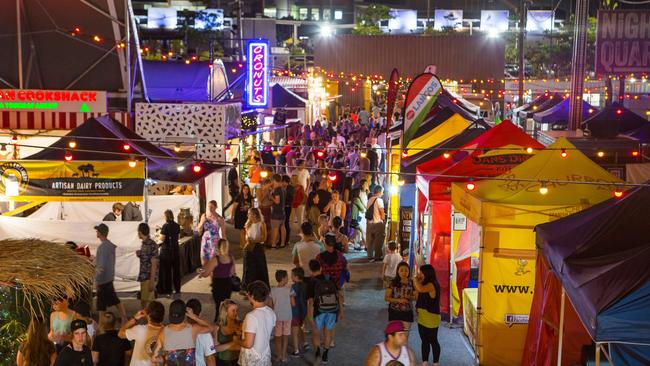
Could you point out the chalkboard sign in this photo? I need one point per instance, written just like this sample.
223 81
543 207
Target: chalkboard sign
404 229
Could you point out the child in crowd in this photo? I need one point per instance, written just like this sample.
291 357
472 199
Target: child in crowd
298 310
391 260
323 226
281 303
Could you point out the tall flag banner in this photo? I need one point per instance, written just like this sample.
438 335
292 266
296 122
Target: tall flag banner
421 96
391 95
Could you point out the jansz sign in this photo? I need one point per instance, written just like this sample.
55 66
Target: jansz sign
623 42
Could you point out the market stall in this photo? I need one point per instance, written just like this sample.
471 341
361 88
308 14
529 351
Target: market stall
525 116
528 107
556 182
597 259
612 120
557 117
494 152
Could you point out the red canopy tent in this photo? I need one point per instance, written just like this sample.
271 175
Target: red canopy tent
493 153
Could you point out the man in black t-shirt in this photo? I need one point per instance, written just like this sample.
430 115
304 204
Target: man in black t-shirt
109 349
170 265
268 159
76 353
277 212
324 195
233 180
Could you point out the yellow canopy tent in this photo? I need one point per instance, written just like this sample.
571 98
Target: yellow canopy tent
507 211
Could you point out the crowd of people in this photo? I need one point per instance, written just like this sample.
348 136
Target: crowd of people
325 179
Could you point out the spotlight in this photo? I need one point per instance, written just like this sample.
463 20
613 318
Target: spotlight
470 186
326 30
543 189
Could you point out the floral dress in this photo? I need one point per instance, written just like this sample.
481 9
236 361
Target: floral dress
210 239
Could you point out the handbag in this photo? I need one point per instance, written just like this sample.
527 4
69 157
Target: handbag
235 281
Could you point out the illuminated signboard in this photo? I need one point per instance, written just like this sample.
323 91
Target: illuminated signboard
258 73
53 100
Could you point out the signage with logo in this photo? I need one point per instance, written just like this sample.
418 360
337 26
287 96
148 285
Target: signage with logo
404 230
448 19
421 96
25 181
87 101
258 73
516 319
623 41
460 222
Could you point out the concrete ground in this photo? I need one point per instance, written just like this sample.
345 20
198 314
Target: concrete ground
364 319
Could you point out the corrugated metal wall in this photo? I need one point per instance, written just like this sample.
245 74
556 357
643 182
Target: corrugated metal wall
456 56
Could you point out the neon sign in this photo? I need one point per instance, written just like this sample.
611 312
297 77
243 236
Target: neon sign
53 100
258 73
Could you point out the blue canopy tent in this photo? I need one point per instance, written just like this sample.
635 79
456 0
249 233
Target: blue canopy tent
559 113
601 256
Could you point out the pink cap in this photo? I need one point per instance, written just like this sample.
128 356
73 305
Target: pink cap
394 326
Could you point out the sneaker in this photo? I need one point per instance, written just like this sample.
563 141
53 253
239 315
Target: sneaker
324 358
371 260
295 354
305 346
317 358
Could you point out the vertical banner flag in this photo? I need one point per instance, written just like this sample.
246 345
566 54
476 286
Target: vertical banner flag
421 96
393 85
257 59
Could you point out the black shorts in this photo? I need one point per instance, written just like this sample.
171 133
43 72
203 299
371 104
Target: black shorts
354 224
405 316
106 296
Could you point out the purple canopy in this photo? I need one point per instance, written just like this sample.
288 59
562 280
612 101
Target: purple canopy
601 256
102 139
559 114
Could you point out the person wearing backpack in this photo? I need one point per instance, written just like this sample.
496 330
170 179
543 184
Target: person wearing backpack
376 232
324 308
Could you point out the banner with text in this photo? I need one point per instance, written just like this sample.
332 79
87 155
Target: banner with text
623 41
79 101
26 181
421 96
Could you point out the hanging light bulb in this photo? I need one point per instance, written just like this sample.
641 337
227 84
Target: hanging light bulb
14 138
401 182
126 147
564 153
619 111
529 150
68 156
264 173
635 153
618 192
446 155
320 154
332 176
364 154
470 186
180 167
3 148
196 167
177 147
405 154
132 162
600 153
543 189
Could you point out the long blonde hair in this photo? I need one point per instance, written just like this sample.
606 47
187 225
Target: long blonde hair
256 212
222 320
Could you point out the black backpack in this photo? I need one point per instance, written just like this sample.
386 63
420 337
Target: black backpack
326 296
370 212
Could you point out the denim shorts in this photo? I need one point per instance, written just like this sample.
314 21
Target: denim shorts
325 320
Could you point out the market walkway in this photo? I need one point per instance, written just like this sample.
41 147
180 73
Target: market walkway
365 315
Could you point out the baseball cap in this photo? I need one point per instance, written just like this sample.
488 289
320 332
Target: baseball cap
78 324
394 326
177 311
102 229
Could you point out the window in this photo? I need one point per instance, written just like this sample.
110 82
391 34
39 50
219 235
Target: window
315 14
270 12
327 14
338 14
303 13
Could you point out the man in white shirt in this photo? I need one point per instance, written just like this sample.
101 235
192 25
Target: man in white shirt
376 231
303 174
144 335
205 351
258 326
308 248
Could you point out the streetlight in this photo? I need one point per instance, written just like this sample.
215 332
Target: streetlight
326 30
